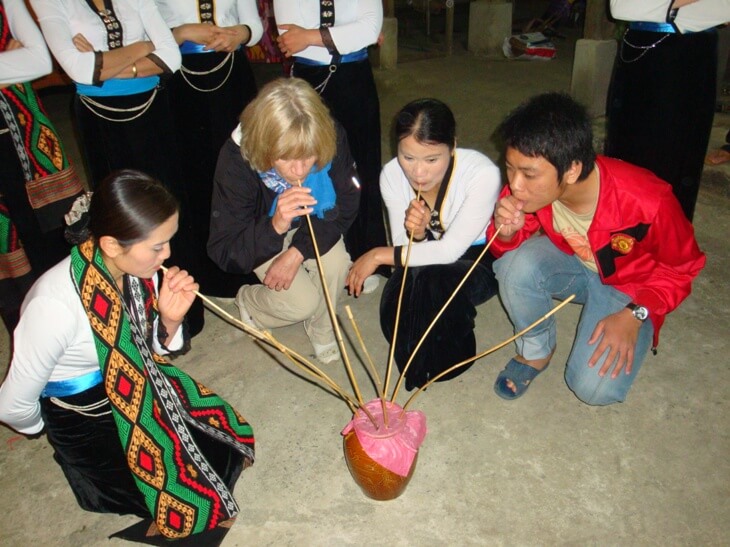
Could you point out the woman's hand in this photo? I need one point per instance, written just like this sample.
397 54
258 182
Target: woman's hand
13 44
283 269
297 39
211 36
176 296
82 44
292 203
363 268
228 39
418 215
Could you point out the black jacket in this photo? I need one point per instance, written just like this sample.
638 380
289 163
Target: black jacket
242 236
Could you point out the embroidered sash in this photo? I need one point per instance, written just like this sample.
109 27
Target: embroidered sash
51 182
326 13
154 405
13 260
205 11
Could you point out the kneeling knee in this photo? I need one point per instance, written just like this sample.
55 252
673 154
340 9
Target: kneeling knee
597 393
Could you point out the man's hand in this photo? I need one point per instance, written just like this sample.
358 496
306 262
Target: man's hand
508 213
618 334
292 203
283 269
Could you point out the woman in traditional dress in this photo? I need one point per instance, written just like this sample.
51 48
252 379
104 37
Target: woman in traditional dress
287 159
37 183
328 42
661 100
119 54
208 94
458 189
127 427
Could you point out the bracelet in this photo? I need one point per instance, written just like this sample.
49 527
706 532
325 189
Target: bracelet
415 239
134 70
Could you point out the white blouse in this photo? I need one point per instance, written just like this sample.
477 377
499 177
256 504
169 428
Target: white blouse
465 213
226 13
695 17
32 60
357 24
53 341
61 20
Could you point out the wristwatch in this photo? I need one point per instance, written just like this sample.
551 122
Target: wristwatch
640 312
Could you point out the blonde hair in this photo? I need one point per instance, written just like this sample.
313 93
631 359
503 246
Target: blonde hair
287 120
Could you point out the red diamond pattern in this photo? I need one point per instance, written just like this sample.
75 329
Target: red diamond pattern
146 461
174 519
101 306
124 386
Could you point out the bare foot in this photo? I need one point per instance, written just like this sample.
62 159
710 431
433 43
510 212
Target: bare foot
719 156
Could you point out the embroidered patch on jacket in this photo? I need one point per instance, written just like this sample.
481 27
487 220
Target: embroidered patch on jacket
622 243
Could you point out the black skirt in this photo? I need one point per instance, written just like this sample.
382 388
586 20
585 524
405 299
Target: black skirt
204 117
661 105
427 288
146 143
88 449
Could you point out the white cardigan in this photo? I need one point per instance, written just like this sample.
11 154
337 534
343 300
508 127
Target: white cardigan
465 213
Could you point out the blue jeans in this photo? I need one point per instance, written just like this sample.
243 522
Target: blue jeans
529 278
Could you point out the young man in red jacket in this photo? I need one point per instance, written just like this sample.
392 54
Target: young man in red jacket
609 232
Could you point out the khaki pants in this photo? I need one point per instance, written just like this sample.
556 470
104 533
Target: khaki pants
304 301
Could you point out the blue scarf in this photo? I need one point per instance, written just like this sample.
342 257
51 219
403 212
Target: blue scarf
317 179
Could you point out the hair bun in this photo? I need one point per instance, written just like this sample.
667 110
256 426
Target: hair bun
77 220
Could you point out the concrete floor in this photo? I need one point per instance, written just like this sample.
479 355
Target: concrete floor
543 470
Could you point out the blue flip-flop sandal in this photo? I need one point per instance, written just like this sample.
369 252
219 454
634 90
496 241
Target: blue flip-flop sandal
520 374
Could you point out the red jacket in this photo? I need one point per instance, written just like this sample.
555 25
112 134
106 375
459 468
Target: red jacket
641 241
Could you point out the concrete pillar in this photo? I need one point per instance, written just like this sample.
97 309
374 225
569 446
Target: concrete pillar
592 67
597 26
490 22
388 51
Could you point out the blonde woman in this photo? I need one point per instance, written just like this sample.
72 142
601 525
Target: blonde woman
288 158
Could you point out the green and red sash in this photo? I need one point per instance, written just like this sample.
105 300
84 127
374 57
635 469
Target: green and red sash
154 404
